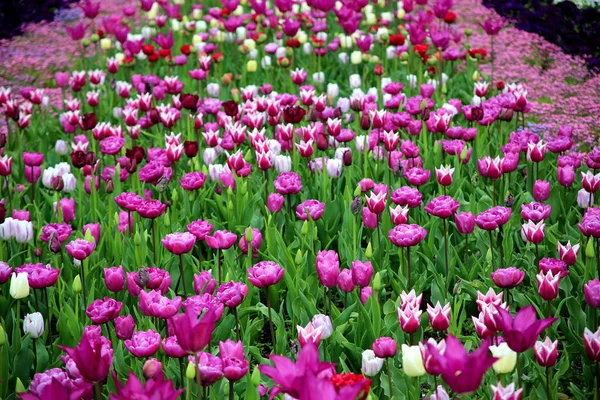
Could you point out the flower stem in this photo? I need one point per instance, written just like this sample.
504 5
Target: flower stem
153 240
519 370
198 377
185 292
548 395
270 319
231 391
83 284
98 391
446 251
237 323
389 374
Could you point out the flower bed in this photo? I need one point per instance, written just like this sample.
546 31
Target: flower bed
222 201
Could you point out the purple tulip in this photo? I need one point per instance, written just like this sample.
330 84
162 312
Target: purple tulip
143 343
493 218
124 327
94 230
508 278
254 243
558 267
328 267
153 304
344 281
521 332
535 212
114 278
465 222
200 229
362 273
39 276
591 292
102 311
546 352
221 240
33 159
312 208
407 235
591 342
67 209
442 207
204 283
275 202
93 356
151 209
235 365
407 196
60 231
179 243
370 219
157 386
590 223
194 334
439 316
548 285
172 348
265 273
80 249
461 371
129 201
541 190
232 294
568 253
203 302
385 347
5 272
210 367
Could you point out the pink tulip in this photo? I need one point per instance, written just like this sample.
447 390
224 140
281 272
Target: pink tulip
143 343
568 253
548 285
591 342
265 273
221 240
546 352
309 334
114 278
328 267
439 316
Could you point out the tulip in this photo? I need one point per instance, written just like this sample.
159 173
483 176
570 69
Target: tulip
101 311
371 364
541 190
153 304
376 202
568 253
323 322
565 175
172 348
534 233
507 359
204 283
558 267
114 278
444 175
409 318
210 367
80 249
507 278
507 392
399 214
412 361
328 267
407 235
344 281
442 207
235 365
521 332
152 369
590 182
39 276
465 222
5 272
546 352
93 356
124 327
179 243
221 240
200 229
194 334
369 219
439 317
591 342
309 334
312 208
19 286
432 366
535 212
143 343
584 198
384 347
591 292
407 196
536 151
288 183
265 273
548 285
461 371
361 273
275 202
34 325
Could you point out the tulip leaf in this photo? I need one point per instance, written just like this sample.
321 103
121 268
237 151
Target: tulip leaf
41 355
22 361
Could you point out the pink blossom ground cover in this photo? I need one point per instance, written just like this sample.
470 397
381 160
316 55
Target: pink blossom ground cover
563 90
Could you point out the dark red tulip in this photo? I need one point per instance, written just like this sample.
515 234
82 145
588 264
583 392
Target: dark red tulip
293 114
78 159
88 121
190 148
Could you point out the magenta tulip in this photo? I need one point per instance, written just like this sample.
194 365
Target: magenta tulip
328 267
153 304
265 273
102 311
179 243
114 278
232 294
521 332
124 327
143 343
235 365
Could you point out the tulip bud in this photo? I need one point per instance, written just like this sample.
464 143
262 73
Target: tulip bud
356 205
137 240
255 377
19 388
304 229
376 283
589 248
151 368
109 186
357 191
371 364
299 258
369 251
475 76
2 336
190 371
76 284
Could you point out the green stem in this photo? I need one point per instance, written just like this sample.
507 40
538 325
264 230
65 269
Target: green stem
270 319
237 324
389 376
185 291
